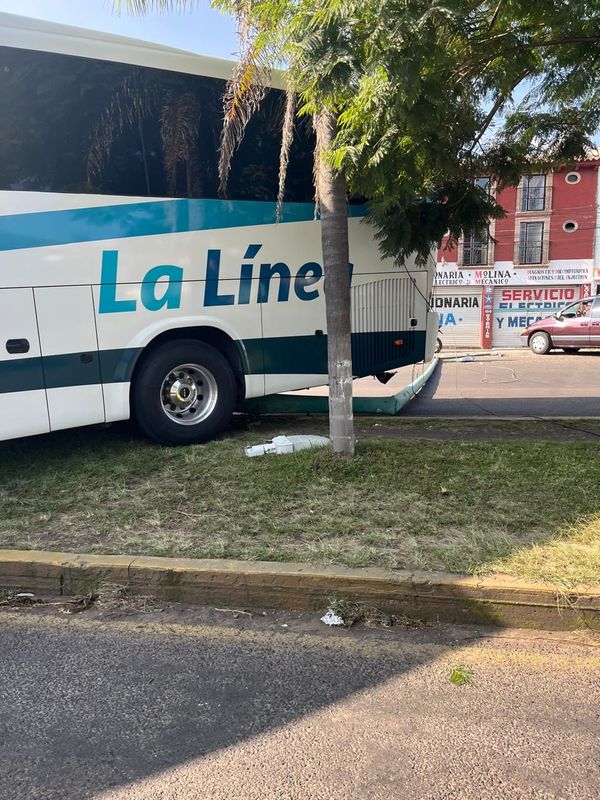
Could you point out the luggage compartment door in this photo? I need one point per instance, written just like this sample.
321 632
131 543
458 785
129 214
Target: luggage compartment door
23 408
70 352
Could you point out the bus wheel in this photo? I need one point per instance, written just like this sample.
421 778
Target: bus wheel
184 393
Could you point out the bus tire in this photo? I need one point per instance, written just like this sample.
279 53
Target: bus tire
184 393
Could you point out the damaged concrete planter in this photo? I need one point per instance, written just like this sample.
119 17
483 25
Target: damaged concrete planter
388 405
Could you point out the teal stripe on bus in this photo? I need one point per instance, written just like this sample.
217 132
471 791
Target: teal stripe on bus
77 225
282 355
70 369
307 355
21 375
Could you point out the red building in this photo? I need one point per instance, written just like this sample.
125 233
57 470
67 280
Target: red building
541 256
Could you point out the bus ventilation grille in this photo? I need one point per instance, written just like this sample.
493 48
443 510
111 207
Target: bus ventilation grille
381 315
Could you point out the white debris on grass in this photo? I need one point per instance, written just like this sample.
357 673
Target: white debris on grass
287 444
331 618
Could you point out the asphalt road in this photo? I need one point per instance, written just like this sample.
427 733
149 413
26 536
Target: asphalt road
513 383
199 705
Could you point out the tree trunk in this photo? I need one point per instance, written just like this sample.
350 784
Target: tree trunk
331 192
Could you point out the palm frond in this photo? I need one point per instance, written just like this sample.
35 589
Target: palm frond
243 96
143 7
287 137
245 90
243 10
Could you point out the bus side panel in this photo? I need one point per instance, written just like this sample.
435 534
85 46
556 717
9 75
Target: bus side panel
261 284
293 309
389 313
23 409
70 356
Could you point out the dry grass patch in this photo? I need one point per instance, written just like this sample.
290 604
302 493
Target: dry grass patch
571 558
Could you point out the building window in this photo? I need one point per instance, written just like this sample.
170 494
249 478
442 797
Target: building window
531 242
533 193
570 226
475 250
572 177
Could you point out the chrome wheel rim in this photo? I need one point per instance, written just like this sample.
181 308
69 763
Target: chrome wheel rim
538 343
188 394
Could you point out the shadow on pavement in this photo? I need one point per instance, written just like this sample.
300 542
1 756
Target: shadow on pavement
89 706
427 405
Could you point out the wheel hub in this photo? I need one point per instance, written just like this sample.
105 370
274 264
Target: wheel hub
539 342
183 392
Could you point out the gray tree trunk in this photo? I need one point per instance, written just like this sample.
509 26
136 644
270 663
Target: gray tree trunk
331 191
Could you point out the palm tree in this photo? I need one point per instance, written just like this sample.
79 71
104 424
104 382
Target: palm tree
261 46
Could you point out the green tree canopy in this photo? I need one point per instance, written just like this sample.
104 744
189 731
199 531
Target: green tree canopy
423 93
432 107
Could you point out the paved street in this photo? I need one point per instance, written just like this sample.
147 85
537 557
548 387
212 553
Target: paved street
198 704
515 383
510 383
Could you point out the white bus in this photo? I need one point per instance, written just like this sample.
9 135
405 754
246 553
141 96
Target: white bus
127 288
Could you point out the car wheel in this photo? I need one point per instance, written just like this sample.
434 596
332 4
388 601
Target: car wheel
183 393
571 349
540 343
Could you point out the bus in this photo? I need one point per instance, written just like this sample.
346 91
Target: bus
127 287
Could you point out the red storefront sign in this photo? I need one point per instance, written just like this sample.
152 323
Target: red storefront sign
487 317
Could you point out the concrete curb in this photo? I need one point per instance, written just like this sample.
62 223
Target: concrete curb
497 600
302 404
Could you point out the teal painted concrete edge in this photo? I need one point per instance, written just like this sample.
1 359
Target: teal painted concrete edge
303 404
413 388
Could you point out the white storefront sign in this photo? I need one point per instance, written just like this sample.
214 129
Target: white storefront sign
451 275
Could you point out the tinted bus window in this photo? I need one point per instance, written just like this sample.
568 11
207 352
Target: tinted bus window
70 124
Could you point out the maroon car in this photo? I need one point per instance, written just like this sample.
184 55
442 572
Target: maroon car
573 327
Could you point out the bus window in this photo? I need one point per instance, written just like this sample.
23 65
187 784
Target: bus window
81 125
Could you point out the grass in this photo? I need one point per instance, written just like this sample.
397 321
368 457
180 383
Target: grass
529 508
461 676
